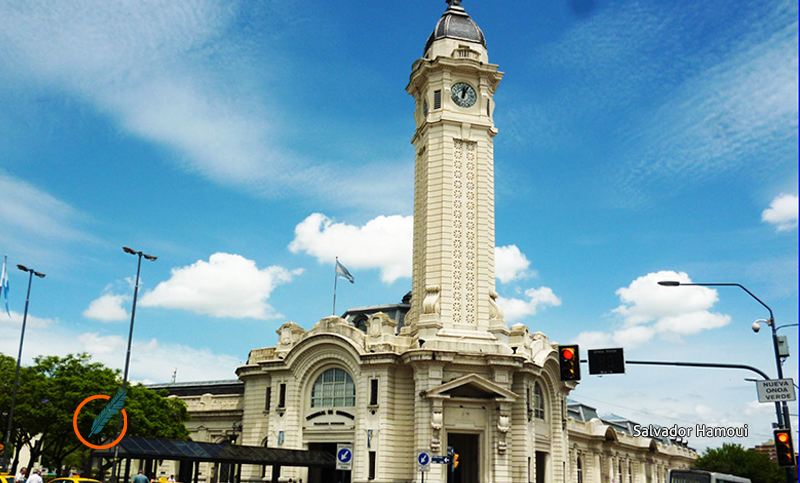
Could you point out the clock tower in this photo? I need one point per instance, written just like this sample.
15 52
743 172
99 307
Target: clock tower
453 267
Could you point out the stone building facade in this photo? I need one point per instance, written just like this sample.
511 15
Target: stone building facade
455 374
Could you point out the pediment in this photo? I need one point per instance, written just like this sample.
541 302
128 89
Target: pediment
472 386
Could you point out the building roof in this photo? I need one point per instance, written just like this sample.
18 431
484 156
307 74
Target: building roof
198 388
580 411
585 413
455 23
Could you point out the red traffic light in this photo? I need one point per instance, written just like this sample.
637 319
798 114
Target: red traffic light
784 448
569 363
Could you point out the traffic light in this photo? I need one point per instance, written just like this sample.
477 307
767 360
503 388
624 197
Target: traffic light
569 362
784 448
455 461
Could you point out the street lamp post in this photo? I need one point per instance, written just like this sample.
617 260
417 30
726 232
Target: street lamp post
130 251
10 424
783 416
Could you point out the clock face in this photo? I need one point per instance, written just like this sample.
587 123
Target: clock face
463 94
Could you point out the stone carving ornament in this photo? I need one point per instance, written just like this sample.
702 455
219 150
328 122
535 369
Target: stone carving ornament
430 304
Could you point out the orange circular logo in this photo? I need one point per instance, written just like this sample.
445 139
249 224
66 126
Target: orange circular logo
75 423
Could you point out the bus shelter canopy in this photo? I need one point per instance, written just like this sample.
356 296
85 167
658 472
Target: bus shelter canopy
166 449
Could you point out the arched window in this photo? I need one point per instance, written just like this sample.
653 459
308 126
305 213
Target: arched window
538 401
334 388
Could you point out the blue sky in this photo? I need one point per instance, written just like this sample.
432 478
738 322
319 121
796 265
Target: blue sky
247 144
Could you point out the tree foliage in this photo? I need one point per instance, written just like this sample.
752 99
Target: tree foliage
50 392
735 460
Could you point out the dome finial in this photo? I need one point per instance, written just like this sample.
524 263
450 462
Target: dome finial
454 3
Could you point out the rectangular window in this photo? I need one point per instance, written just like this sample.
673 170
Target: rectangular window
437 99
528 400
373 392
282 397
371 465
529 469
488 107
269 399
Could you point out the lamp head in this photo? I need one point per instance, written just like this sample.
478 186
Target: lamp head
38 274
151 258
23 268
756 327
129 250
669 283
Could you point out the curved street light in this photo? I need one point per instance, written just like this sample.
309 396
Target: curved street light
151 258
10 424
783 416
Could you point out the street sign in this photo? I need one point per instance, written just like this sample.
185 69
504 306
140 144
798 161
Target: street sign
344 456
775 390
606 361
423 461
440 460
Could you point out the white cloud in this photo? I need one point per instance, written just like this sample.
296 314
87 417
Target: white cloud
753 408
383 243
16 320
107 308
649 309
510 264
691 323
225 286
517 309
25 207
782 212
36 225
153 361
731 107
645 301
595 340
169 73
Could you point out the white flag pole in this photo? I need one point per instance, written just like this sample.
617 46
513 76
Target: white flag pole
335 281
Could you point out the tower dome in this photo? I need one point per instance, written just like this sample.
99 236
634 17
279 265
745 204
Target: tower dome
456 24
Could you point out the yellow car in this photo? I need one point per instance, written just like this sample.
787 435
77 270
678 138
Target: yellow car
73 479
6 478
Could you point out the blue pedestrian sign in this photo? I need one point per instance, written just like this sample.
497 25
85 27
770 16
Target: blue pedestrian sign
344 457
423 461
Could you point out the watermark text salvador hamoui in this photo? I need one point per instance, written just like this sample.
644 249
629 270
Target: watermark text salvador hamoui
698 430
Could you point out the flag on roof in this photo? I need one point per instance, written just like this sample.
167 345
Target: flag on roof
342 272
4 284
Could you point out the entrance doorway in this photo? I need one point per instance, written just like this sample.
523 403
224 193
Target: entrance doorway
541 467
327 475
466 447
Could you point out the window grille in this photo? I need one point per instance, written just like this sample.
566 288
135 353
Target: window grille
333 388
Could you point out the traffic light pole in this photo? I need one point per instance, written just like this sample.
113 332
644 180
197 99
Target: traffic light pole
778 407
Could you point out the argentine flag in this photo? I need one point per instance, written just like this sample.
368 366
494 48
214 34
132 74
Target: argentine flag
342 272
4 284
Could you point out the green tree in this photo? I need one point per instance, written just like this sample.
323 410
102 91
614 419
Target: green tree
63 383
735 460
51 392
26 398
